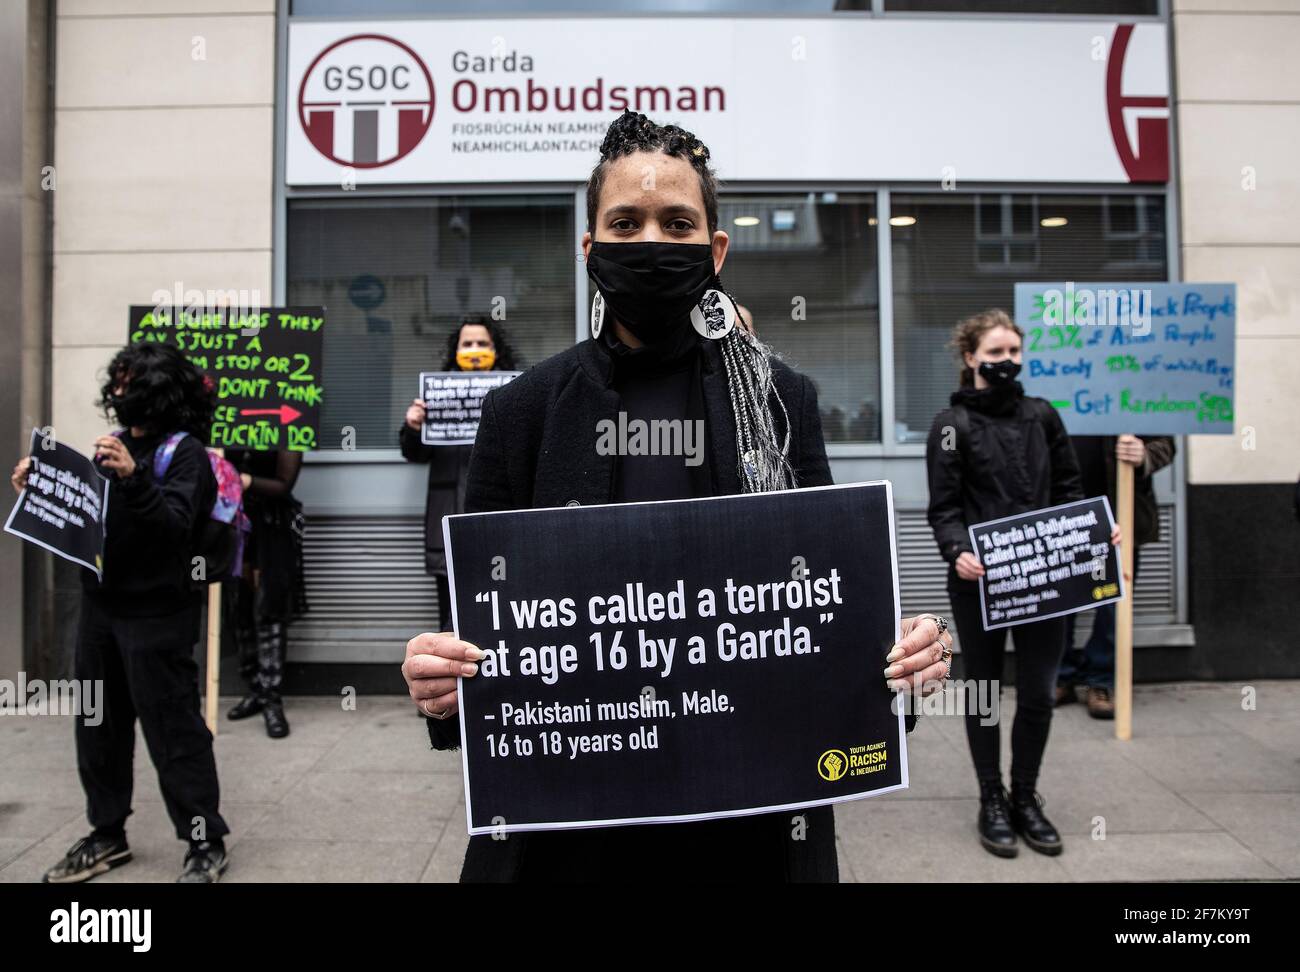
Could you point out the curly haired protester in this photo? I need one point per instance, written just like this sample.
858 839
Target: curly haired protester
139 626
996 452
652 253
476 344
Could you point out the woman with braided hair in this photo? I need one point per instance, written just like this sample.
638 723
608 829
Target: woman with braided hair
664 345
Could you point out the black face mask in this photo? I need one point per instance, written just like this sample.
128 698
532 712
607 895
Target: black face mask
129 410
651 287
998 373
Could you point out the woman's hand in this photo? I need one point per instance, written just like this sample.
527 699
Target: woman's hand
415 415
19 477
1130 449
1115 536
433 662
968 566
113 454
245 480
916 664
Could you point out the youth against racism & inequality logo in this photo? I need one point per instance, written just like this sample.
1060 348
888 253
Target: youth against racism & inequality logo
835 764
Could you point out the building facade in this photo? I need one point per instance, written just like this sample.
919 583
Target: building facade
887 169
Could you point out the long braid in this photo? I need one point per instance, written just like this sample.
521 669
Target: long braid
762 462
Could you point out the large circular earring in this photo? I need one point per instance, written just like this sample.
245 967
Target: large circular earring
597 314
715 315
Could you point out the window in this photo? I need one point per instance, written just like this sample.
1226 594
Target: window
805 266
954 255
396 276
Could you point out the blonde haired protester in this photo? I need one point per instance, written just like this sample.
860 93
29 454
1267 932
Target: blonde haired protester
995 452
652 255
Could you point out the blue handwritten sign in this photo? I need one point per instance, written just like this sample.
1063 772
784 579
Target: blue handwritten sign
1143 358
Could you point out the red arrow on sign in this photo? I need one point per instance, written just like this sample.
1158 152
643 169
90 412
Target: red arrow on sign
287 413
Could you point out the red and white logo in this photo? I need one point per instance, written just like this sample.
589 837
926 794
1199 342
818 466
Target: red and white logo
366 101
1148 161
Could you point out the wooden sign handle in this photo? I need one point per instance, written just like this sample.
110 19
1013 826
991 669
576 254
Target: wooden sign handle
211 695
1124 607
210 698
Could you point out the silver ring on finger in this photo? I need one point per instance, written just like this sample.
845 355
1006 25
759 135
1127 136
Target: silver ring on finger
946 658
437 715
939 620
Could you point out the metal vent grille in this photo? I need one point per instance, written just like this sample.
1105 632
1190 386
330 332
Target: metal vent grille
365 579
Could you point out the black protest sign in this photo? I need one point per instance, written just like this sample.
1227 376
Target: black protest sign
265 366
675 661
1047 563
64 504
453 403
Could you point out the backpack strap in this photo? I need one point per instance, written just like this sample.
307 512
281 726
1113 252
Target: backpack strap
162 456
962 417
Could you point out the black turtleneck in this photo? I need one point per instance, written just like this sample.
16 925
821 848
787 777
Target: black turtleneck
657 382
995 400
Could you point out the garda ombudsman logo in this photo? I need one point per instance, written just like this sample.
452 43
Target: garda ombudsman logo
832 764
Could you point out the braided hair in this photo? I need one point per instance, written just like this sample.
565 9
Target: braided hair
761 460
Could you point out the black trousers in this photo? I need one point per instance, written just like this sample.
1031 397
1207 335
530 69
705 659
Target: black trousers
148 673
1039 647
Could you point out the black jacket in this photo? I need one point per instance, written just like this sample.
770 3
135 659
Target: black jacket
448 473
1160 453
150 531
536 447
990 454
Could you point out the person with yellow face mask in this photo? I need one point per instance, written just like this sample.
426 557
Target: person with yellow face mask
477 344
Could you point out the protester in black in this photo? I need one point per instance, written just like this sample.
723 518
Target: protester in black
139 626
269 593
478 344
996 452
1093 665
653 251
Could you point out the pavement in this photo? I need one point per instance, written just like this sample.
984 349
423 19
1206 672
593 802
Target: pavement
1207 789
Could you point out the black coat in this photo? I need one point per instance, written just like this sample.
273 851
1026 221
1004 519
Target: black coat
1160 453
994 453
536 447
151 530
448 474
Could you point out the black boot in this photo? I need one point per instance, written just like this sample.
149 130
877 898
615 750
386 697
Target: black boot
277 726
996 833
271 641
1027 817
245 707
246 645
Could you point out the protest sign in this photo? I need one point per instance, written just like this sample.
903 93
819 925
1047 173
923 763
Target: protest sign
454 402
675 661
1131 358
265 365
64 504
1047 563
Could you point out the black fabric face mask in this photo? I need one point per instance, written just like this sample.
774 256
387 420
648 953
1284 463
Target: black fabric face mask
998 373
129 410
651 287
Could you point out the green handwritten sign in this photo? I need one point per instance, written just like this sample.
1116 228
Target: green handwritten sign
1146 358
265 367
